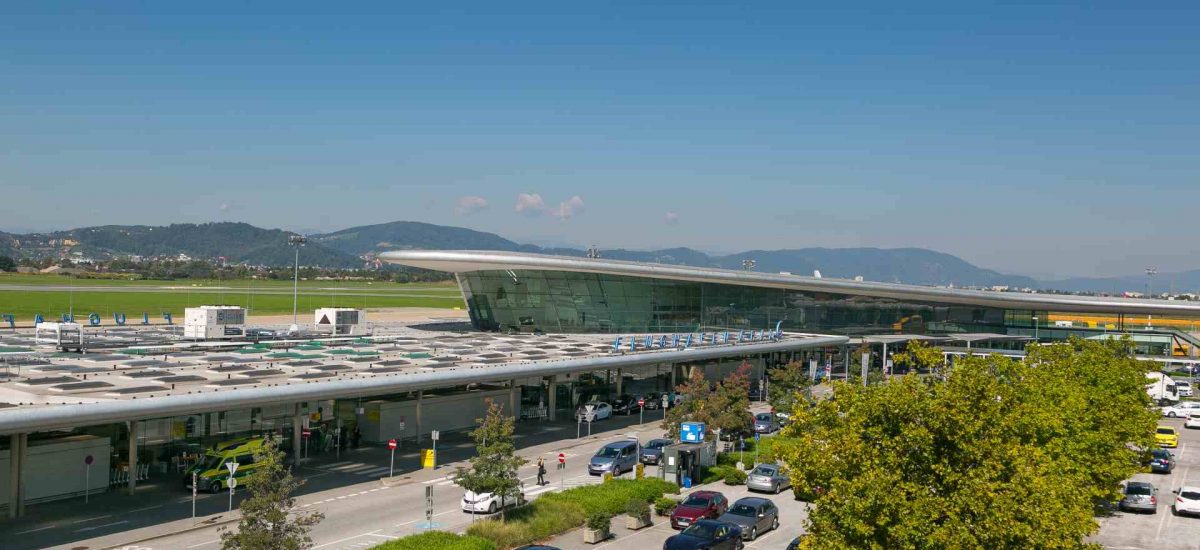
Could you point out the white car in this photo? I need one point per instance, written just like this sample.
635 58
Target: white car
1187 501
1193 422
601 410
1181 410
488 502
1183 389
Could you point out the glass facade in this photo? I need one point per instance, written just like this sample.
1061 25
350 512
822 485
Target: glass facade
573 302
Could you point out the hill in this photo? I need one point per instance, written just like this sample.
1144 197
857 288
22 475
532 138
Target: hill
894 265
357 241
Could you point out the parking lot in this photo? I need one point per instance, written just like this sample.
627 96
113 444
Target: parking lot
1124 530
792 514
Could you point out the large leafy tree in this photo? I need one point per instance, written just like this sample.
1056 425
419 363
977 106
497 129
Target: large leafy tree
695 405
494 466
269 518
1002 453
790 386
730 403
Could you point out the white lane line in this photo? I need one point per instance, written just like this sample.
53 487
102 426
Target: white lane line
346 539
336 464
93 528
435 515
35 530
205 543
384 536
143 509
435 480
761 537
91 519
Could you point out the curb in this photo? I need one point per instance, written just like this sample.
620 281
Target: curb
213 521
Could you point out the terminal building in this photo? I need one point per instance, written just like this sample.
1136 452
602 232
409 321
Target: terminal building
518 292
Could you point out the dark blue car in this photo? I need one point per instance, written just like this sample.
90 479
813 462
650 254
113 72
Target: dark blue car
707 534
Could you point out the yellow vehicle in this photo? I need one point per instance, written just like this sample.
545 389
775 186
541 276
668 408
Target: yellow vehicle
1166 436
210 471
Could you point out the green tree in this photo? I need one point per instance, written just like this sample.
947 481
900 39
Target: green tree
494 467
695 405
7 264
1003 453
730 403
918 355
790 386
269 518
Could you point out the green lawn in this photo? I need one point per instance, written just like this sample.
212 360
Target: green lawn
52 280
51 304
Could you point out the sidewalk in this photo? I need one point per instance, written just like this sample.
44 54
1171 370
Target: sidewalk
162 508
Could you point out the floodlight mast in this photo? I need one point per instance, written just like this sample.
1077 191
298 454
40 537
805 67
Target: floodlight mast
296 241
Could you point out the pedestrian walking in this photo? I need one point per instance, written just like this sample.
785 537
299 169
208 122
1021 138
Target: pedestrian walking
541 471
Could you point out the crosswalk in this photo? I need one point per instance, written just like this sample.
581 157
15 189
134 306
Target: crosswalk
356 468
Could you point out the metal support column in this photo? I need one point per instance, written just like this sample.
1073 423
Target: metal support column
620 383
513 393
133 458
420 397
673 383
552 399
16 470
297 429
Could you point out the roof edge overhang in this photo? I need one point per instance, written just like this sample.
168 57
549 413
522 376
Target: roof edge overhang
465 261
53 417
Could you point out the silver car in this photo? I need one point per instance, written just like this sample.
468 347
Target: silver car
768 478
1139 496
755 515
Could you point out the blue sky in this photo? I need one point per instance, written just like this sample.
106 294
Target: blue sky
1053 139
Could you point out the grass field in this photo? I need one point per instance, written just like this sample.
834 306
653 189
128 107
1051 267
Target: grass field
61 280
259 299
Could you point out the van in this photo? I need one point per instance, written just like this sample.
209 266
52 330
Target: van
1184 389
211 473
615 458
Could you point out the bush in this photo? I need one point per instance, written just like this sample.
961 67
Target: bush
555 513
734 476
637 508
663 506
437 539
713 474
599 521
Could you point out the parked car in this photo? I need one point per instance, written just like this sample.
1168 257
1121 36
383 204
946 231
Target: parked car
707 534
769 478
653 401
765 423
488 502
794 544
698 505
601 410
1161 461
626 404
1139 496
1181 409
1192 422
614 458
1187 501
755 515
1166 436
1183 388
652 451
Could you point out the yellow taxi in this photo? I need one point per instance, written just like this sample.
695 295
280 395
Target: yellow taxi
1166 436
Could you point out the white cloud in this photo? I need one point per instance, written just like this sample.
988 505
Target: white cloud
530 204
568 208
671 218
470 204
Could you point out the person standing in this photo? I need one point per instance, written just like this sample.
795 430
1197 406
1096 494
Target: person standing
541 465
355 436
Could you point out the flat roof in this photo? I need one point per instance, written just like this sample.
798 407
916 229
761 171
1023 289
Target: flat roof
55 390
465 261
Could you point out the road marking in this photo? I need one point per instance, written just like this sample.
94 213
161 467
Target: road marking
761 537
205 543
35 530
435 480
435 515
143 509
91 519
346 539
384 536
93 528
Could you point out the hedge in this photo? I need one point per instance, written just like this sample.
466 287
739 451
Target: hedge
556 513
439 540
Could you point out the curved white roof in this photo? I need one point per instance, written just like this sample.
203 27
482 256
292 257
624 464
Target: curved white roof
463 261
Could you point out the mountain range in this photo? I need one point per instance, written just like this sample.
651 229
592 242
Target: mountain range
245 243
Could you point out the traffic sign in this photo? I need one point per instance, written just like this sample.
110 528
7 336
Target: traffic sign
434 435
757 437
305 433
392 444
562 458
232 482
666 401
88 460
232 466
641 401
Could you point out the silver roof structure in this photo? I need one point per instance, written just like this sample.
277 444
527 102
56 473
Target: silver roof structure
464 261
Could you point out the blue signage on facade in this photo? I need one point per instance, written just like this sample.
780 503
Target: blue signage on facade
691 432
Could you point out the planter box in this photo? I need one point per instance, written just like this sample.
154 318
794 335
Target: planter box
593 536
634 523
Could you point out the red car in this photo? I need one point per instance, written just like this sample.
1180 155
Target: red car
698 505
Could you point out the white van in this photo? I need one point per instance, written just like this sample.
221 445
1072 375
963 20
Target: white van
1161 387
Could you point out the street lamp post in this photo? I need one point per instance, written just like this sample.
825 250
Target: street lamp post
296 241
